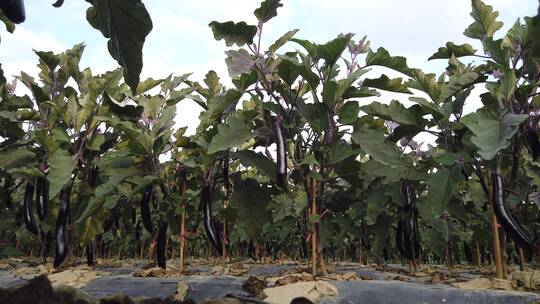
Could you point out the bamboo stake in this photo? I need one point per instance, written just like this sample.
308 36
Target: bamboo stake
504 258
478 259
495 230
313 228
182 228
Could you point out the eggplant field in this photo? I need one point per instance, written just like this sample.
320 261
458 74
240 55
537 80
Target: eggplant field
311 171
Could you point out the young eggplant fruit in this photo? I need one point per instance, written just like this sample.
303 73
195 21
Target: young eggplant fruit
509 224
281 170
61 227
29 220
209 221
13 10
42 197
145 209
161 244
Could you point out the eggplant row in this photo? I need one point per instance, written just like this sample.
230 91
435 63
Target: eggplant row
13 10
61 227
145 209
509 224
161 244
42 197
209 222
281 172
29 220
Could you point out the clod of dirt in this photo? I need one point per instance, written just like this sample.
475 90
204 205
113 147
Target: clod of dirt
486 283
254 285
347 276
75 277
181 291
527 279
309 290
291 279
151 272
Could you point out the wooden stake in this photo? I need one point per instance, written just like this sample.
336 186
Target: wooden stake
313 228
495 230
503 254
182 228
478 258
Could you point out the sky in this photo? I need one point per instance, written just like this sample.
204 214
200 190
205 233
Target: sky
181 41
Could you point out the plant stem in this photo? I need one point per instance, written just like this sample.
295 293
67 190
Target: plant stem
182 227
495 230
313 228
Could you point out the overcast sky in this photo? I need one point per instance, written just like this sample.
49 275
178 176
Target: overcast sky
181 41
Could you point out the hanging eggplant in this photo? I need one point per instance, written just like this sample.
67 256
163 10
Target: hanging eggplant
531 139
145 209
61 227
13 10
90 254
58 3
407 233
209 222
281 172
161 244
509 224
29 220
42 197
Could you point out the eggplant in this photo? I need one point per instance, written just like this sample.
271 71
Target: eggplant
145 209
281 172
161 245
209 222
90 254
13 10
42 197
407 233
29 220
58 3
509 224
61 227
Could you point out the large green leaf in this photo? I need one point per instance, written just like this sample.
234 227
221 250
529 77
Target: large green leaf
250 158
267 10
375 144
332 50
492 133
349 112
339 152
314 114
12 159
383 58
281 41
216 106
452 49
442 186
233 33
251 200
485 21
396 112
61 165
387 84
126 23
230 135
